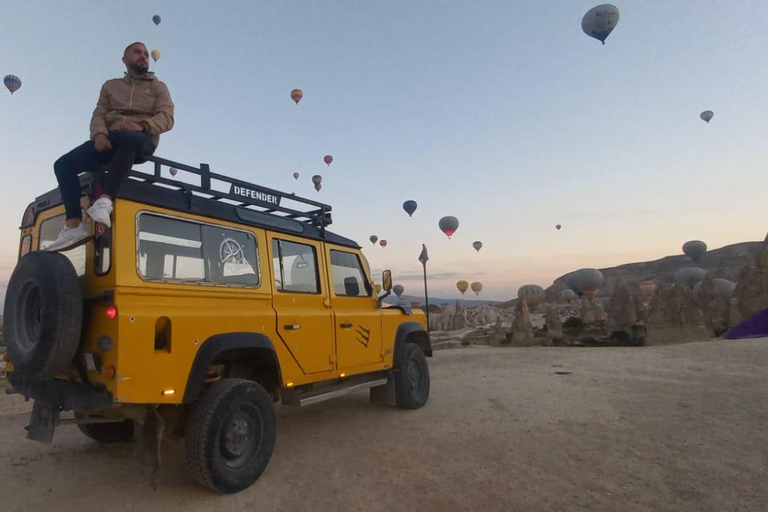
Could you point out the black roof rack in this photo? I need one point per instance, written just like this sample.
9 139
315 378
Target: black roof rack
244 194
243 202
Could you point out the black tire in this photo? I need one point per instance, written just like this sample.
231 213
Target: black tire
411 376
230 435
43 315
107 433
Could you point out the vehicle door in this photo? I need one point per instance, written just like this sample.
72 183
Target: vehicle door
357 320
304 320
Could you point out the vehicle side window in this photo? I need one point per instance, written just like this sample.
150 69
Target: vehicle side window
295 267
348 277
49 230
179 250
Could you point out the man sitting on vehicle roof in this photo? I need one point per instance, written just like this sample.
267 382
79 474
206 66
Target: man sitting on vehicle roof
126 125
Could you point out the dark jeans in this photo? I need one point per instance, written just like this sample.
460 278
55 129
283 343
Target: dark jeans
128 148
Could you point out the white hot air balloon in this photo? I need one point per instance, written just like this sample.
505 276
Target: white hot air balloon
600 21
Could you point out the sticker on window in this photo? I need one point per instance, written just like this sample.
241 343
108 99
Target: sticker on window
232 259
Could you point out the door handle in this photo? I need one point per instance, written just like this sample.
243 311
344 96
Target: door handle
292 327
345 325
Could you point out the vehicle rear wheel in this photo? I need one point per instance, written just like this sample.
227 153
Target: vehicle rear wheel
43 315
411 378
116 432
230 435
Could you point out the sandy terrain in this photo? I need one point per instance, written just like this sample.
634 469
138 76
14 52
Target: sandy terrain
680 427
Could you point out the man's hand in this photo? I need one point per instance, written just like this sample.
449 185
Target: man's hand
129 126
102 143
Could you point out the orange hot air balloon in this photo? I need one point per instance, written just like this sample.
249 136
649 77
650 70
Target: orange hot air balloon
462 286
328 159
383 243
296 95
477 287
647 288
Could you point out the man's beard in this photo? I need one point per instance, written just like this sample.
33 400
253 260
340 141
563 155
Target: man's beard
140 69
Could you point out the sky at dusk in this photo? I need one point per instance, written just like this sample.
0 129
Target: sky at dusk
501 113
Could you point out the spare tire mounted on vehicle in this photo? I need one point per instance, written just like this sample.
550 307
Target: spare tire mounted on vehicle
43 315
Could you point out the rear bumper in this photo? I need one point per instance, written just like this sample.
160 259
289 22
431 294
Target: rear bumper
61 394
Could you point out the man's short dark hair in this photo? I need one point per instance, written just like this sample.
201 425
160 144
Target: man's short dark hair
132 44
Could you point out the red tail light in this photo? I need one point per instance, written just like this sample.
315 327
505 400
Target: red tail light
111 312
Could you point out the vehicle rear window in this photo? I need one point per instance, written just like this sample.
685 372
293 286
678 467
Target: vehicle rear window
295 267
49 230
175 250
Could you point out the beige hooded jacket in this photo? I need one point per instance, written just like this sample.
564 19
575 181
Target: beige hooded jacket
134 98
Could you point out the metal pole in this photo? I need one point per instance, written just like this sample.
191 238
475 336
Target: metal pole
426 294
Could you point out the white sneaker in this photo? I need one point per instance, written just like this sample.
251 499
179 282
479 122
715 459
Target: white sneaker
69 238
101 210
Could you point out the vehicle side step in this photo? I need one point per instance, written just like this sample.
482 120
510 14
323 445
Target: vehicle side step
296 398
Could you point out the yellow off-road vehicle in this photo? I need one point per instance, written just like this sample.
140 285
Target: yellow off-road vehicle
202 306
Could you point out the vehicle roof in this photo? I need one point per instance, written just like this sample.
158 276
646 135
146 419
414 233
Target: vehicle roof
245 203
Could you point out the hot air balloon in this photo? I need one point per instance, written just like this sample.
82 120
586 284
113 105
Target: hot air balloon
707 116
477 245
377 287
449 225
690 276
383 243
155 55
558 226
695 249
647 288
174 171
328 159
318 186
462 286
316 179
296 175
568 294
585 281
156 18
296 95
410 207
373 239
532 293
723 287
12 83
600 21
477 287
398 289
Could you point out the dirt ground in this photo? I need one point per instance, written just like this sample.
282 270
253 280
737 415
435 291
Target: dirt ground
681 427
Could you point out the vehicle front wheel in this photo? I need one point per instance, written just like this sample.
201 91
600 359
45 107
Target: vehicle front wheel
411 378
230 435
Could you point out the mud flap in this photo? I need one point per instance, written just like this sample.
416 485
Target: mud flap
42 422
384 395
147 440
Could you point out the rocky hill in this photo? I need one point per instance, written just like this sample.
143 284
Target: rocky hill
725 263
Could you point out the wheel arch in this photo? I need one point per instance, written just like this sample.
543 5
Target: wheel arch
238 346
412 332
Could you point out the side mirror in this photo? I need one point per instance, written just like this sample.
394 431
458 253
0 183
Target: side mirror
386 280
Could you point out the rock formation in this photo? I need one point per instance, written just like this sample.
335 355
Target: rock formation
592 312
751 291
715 308
622 312
675 316
522 330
